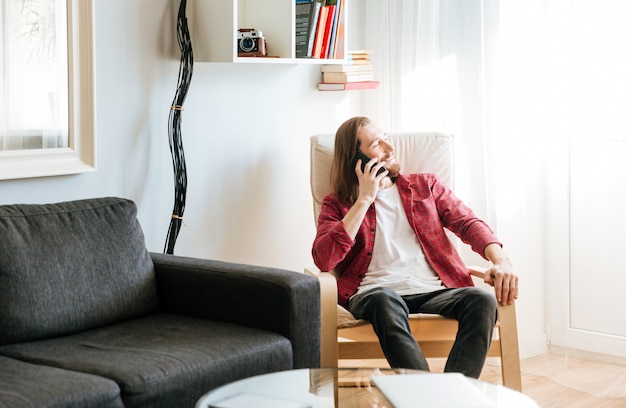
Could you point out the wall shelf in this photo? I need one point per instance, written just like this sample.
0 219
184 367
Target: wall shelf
213 26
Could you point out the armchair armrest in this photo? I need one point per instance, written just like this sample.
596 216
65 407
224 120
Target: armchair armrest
477 271
509 343
266 298
328 300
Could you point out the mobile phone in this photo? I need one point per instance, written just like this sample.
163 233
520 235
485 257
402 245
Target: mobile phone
364 160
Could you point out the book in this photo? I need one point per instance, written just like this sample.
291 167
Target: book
340 35
347 86
319 32
343 77
346 68
351 61
333 31
327 31
306 26
355 55
359 52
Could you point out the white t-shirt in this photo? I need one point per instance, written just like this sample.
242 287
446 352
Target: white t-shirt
398 261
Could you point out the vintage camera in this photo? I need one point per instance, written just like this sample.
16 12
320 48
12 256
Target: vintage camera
250 43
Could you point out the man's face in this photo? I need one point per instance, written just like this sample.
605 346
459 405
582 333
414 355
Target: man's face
376 145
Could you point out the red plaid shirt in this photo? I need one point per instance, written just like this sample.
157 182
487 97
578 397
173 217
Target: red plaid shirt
429 206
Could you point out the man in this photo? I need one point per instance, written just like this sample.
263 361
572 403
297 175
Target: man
383 234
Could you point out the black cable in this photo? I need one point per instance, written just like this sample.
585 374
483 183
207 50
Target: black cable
175 138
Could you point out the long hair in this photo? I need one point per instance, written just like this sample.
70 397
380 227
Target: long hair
344 182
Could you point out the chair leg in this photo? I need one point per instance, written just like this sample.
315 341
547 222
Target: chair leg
511 372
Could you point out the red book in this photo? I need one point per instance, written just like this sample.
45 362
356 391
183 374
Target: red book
328 31
334 34
319 34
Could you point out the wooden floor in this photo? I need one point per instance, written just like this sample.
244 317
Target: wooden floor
562 381
555 381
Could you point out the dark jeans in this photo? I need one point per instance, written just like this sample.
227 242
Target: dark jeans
475 310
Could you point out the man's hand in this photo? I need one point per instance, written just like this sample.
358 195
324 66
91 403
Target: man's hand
369 179
504 282
501 276
369 183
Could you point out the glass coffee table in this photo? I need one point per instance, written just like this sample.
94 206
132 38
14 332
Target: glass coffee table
361 387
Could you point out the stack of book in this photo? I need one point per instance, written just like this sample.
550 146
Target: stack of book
356 73
320 29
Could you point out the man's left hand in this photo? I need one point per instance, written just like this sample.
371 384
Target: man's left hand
504 282
501 275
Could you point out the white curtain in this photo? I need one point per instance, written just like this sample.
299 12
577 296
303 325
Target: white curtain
33 74
429 56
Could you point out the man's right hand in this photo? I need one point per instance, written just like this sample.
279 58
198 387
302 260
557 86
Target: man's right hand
369 183
369 180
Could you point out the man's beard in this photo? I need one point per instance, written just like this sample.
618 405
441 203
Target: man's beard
394 169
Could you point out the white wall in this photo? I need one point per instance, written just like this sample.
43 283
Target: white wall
246 132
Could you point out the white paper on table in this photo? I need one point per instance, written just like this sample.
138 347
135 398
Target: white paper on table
431 390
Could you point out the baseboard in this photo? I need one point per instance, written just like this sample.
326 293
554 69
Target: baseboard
587 355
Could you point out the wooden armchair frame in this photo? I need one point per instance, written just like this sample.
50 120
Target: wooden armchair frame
434 333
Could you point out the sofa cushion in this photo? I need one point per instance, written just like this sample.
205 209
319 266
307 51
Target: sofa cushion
29 385
71 266
164 360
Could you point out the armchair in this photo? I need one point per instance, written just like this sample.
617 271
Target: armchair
344 337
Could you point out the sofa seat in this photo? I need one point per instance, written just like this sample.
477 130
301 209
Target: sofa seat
160 355
29 385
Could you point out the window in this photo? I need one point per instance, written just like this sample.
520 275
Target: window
46 88
34 85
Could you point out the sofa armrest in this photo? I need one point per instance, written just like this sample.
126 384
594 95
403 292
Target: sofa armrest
272 299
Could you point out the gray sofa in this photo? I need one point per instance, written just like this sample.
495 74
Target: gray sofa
90 318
